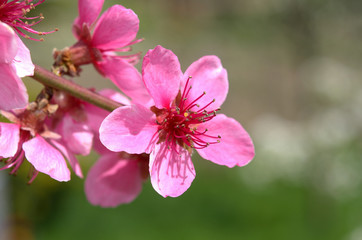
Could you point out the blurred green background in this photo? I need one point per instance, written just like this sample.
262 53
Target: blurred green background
294 68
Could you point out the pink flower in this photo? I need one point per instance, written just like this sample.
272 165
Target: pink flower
27 137
15 62
115 31
183 118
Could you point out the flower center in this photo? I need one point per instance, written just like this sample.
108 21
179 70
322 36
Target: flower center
180 123
13 13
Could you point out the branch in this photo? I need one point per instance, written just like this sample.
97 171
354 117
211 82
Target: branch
49 79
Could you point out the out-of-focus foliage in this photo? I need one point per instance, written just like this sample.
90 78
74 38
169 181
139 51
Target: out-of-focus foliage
295 85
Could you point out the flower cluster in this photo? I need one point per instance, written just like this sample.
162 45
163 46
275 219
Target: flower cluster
164 115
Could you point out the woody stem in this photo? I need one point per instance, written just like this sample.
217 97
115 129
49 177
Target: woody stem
51 80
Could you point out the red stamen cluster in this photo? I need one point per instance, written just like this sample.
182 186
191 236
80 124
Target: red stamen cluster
179 123
13 13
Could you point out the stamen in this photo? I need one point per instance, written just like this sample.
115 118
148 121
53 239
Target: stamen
180 123
213 100
14 13
203 94
34 175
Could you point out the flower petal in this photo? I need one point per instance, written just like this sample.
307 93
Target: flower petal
209 76
88 11
126 77
46 159
13 93
8 44
116 28
9 139
113 181
115 96
96 115
69 156
77 136
171 172
161 73
235 148
22 61
130 129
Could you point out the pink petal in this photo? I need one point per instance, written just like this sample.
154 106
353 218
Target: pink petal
116 28
113 181
235 148
96 115
98 146
171 172
130 129
69 156
115 96
9 139
126 77
77 136
8 44
22 61
161 74
13 93
46 159
209 76
88 11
